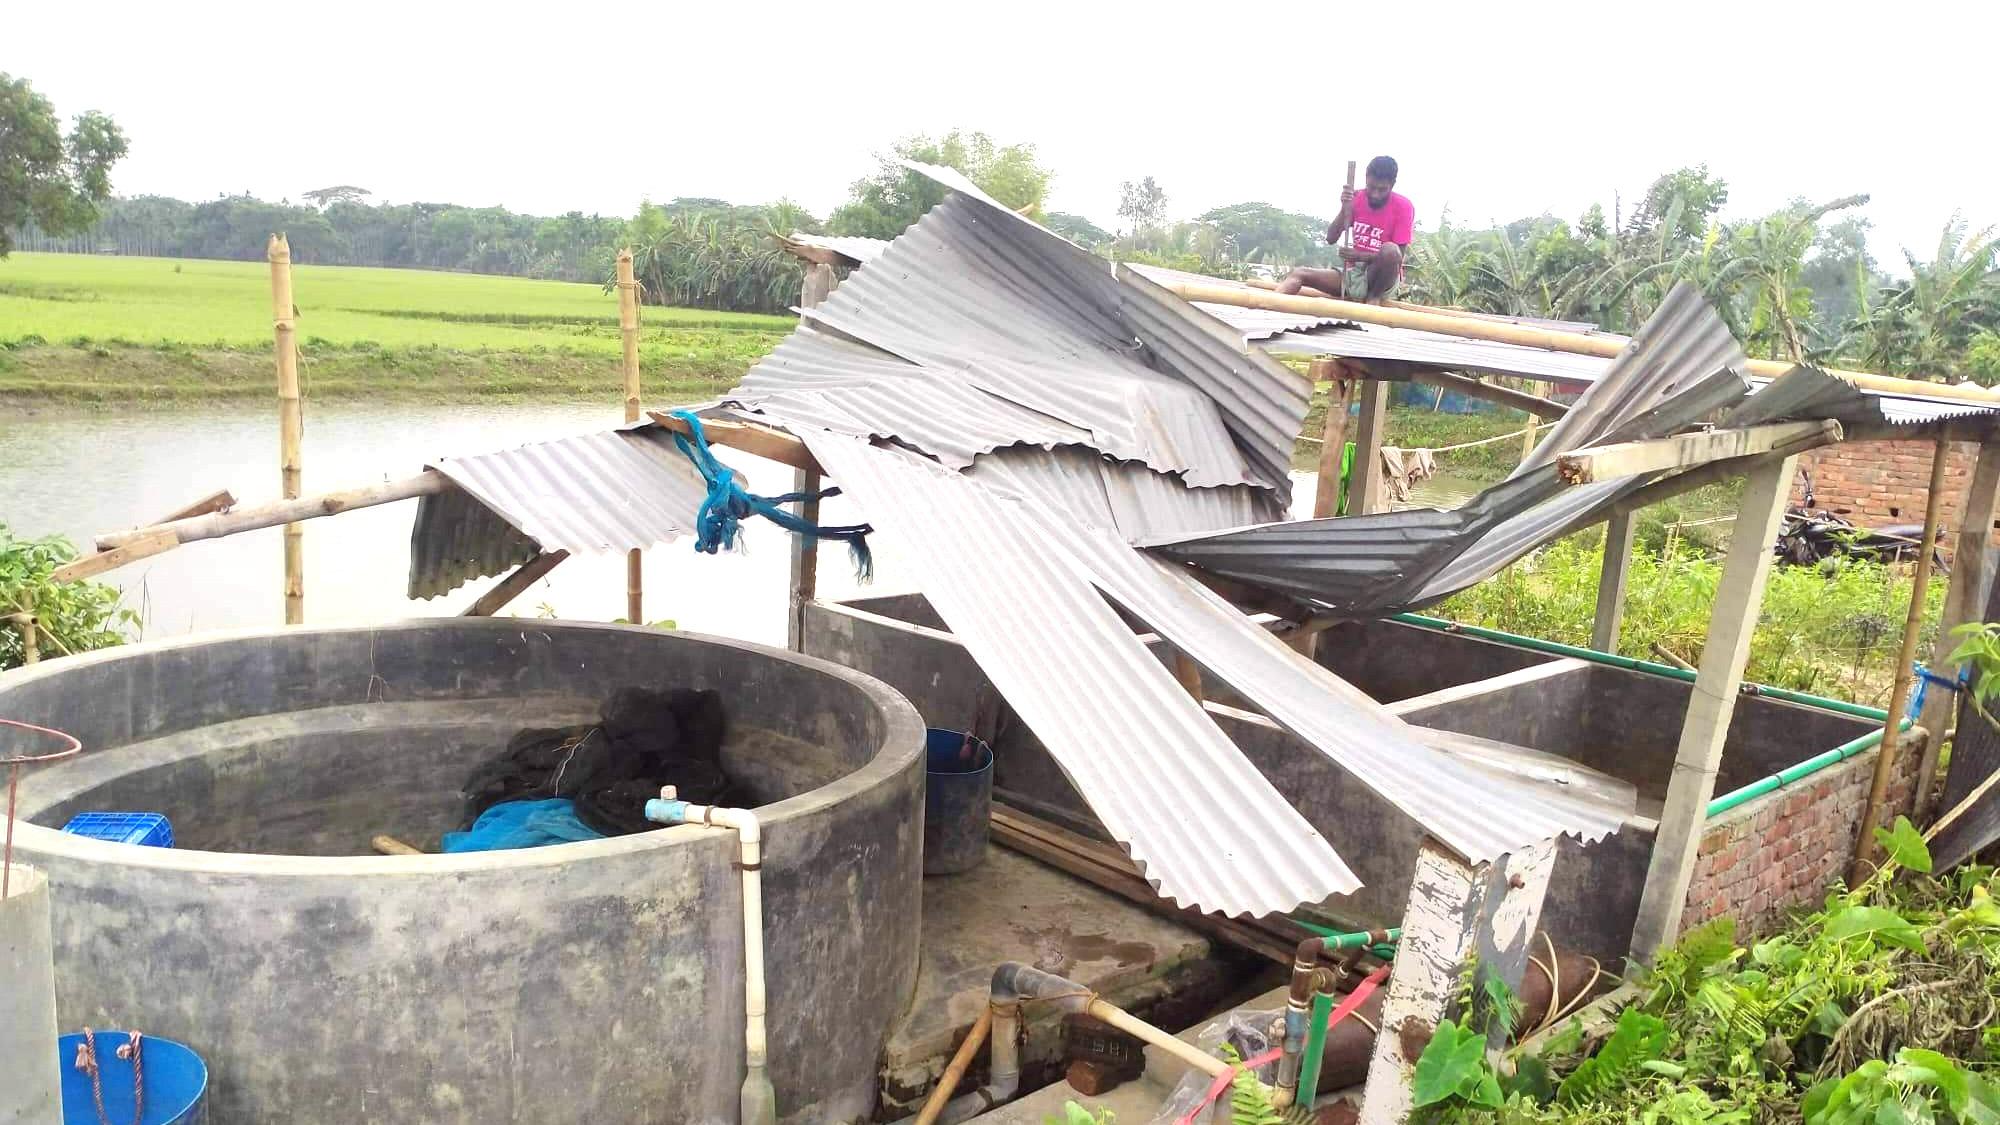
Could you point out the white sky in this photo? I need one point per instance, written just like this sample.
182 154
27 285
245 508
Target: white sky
1495 110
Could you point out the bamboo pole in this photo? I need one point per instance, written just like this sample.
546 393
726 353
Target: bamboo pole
291 420
512 586
238 520
31 647
1899 691
1529 336
628 329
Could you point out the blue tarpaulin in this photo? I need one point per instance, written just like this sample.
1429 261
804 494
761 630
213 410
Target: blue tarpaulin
522 824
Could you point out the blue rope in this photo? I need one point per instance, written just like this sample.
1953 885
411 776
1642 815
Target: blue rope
1926 677
727 505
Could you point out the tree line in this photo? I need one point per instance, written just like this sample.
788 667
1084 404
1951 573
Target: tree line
1798 283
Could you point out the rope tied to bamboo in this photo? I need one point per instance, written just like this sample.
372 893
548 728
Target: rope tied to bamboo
719 519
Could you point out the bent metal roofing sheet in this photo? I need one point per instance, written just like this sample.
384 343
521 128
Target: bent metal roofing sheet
1023 584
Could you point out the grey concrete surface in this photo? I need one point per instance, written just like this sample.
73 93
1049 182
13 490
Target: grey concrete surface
591 981
1012 908
30 1081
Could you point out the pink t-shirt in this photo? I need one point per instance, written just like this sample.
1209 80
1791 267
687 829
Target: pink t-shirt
1395 221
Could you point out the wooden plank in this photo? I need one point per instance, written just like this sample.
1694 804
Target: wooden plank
213 502
90 566
1618 534
512 586
1971 580
1686 451
761 441
220 524
1366 492
1531 336
1333 436
1535 405
805 561
1457 913
1107 867
1713 702
1968 828
1680 484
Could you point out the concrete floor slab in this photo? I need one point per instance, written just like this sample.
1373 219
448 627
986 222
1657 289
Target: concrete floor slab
1012 908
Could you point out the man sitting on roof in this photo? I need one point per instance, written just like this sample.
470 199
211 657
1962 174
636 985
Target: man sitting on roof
1382 223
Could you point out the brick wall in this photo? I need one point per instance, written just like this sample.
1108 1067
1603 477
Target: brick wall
1874 483
1780 852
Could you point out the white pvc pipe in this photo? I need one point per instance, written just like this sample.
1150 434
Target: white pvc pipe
759 1101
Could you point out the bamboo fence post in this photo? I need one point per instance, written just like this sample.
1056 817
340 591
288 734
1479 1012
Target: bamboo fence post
291 420
628 328
31 641
1333 436
1899 691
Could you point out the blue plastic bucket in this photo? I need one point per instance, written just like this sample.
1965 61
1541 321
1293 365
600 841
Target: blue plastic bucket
958 800
176 1081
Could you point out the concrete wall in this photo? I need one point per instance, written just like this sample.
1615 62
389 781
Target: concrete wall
1779 853
590 981
1625 724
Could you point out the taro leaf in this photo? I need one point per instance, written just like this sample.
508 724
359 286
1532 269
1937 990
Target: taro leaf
1905 845
1878 923
1506 1009
1531 1078
1452 1064
1915 1065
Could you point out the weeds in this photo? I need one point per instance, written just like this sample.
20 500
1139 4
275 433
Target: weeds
1830 630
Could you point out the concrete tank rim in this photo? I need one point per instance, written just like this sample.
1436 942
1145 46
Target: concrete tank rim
904 728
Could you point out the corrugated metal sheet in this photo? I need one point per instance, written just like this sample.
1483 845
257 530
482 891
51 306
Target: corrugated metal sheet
1023 586
618 490
1209 831
976 293
1123 496
820 379
456 539
857 250
1434 349
1675 371
1805 393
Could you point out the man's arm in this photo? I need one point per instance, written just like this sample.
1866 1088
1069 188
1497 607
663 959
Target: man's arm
1344 219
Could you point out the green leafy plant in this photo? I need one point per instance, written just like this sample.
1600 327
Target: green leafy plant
1453 1068
1074 1114
70 617
1640 1039
1920 1086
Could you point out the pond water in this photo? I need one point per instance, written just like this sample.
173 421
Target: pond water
79 473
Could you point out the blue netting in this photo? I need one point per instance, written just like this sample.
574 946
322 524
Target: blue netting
522 824
728 505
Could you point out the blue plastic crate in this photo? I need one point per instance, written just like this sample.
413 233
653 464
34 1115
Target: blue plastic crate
148 828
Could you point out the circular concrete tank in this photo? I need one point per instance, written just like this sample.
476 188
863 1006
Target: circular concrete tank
597 981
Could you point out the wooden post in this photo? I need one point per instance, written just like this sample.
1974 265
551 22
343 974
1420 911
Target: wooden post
1458 913
818 283
1710 707
1188 673
31 641
1964 601
1333 439
1899 689
1528 435
291 420
628 330
1611 582
1367 478
512 586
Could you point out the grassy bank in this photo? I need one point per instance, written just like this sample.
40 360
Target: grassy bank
83 329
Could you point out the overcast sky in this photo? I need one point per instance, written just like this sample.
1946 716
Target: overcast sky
1495 110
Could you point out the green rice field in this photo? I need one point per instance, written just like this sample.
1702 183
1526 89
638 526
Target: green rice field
82 328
